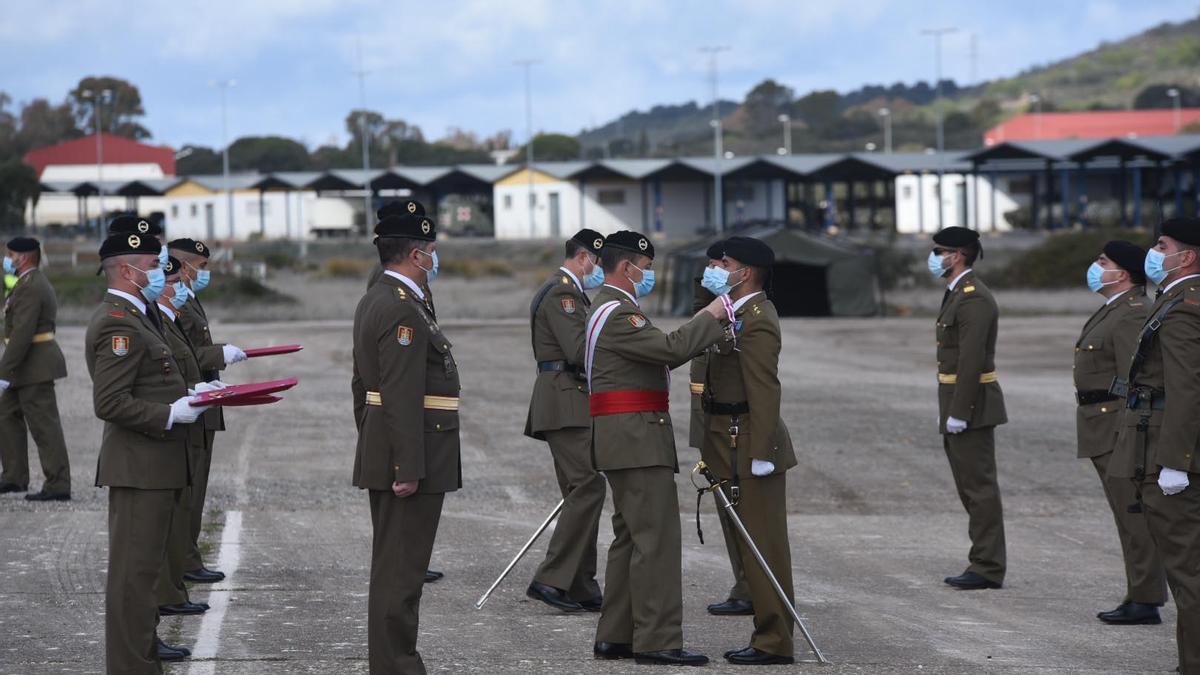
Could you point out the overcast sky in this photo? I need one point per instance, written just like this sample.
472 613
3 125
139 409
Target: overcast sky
450 63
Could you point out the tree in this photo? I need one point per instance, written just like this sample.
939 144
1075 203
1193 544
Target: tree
553 148
763 105
195 160
18 183
1155 96
120 108
818 109
44 124
266 154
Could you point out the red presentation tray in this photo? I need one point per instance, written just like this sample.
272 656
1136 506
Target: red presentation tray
272 351
244 394
254 400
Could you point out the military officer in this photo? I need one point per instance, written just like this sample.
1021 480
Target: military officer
558 415
747 443
194 257
1102 353
405 388
1158 447
628 362
737 603
172 593
30 364
970 402
139 391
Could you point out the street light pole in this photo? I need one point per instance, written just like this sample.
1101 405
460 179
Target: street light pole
365 140
786 120
223 85
1175 103
937 34
527 65
718 141
886 114
99 98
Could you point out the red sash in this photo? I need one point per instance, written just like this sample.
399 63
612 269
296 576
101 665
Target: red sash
627 401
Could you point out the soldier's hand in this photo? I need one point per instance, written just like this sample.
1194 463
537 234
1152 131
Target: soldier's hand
1172 481
4 385
233 355
404 489
182 412
716 308
955 425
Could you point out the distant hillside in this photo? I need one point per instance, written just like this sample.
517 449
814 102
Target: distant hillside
1133 73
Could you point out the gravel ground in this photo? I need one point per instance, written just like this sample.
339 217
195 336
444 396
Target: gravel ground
875 522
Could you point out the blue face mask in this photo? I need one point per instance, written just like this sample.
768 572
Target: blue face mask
1095 278
935 263
163 255
595 279
642 288
156 281
181 295
432 272
201 282
716 280
1154 265
9 267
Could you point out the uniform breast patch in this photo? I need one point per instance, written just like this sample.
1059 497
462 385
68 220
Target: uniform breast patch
637 320
120 345
568 305
117 314
404 335
968 289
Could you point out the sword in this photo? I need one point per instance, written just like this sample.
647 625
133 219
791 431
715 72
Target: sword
714 486
520 554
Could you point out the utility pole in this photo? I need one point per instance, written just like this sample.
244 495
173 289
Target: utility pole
1175 104
99 98
527 65
364 139
937 34
224 85
886 114
974 56
718 150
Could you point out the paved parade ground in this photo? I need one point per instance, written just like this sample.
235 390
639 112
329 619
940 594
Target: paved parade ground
875 522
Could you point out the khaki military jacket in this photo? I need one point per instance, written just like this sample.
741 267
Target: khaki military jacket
185 356
1102 353
194 322
135 379
701 296
966 354
31 355
631 354
404 385
748 374
559 399
1172 365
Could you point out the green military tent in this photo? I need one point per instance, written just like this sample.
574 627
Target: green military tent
813 275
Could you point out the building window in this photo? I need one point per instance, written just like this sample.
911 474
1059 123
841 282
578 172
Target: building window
195 210
532 200
1020 186
174 210
906 192
610 196
507 201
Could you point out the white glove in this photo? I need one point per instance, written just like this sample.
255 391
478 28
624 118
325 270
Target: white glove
955 425
233 355
4 384
1172 482
759 467
182 412
202 387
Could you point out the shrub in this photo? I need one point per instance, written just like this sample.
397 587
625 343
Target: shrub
1062 260
347 268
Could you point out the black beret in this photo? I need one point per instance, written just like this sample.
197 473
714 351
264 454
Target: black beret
956 237
23 244
400 207
132 224
631 241
407 226
129 244
172 267
749 251
1183 230
1129 256
592 240
190 246
716 251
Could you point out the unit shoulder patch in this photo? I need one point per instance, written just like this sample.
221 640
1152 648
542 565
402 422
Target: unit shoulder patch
968 289
117 314
566 280
637 320
120 345
568 305
404 335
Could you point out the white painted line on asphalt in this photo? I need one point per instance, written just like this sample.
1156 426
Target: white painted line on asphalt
209 638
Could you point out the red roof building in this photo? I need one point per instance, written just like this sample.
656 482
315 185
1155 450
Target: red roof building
1093 124
117 150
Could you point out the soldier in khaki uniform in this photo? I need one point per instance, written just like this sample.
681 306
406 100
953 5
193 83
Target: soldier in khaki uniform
405 388
558 414
139 391
172 592
747 442
737 603
970 402
1158 447
194 256
1102 353
30 364
628 362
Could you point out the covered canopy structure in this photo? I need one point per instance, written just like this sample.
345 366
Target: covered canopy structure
813 275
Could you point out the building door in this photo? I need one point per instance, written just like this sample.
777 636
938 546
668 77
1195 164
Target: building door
555 217
210 228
